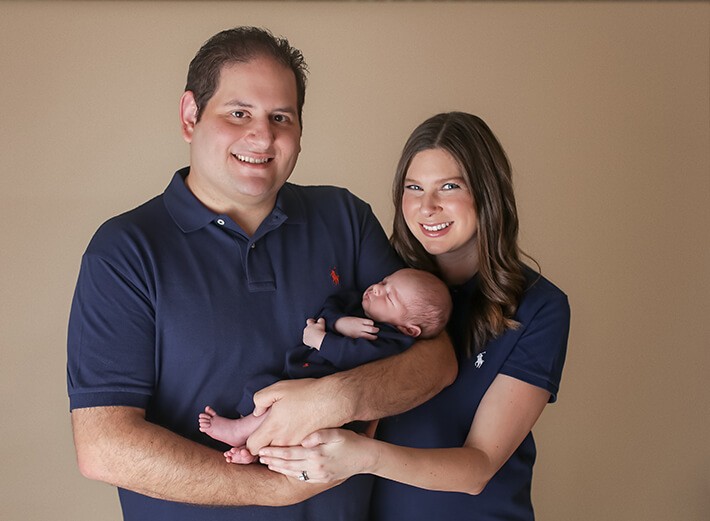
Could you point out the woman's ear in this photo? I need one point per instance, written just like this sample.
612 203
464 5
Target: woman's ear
188 115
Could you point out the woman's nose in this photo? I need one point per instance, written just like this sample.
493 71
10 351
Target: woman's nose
429 205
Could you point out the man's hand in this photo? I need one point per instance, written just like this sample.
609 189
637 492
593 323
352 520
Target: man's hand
370 391
356 327
296 409
314 332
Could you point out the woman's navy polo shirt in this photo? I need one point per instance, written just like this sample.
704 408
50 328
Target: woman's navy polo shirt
176 308
534 353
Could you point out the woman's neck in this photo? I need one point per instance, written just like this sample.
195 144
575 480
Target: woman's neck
458 267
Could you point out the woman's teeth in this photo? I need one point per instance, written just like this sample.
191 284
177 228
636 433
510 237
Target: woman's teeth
436 227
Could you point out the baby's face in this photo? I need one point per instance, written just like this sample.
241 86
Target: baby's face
387 301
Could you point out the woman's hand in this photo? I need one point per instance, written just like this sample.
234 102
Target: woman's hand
325 456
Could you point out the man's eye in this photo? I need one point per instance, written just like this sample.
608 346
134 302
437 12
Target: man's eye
238 114
280 118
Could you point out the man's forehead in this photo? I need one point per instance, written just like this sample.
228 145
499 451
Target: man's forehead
240 69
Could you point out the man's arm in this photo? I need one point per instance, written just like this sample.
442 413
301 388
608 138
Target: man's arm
371 391
118 446
399 383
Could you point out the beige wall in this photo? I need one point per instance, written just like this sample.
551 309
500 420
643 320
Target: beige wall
604 109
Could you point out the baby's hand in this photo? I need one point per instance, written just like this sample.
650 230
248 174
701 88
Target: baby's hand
356 327
314 332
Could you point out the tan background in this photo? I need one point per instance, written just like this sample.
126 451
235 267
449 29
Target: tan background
604 109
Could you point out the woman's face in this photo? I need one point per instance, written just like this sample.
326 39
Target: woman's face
437 205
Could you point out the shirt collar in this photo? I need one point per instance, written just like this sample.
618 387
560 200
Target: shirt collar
190 214
290 204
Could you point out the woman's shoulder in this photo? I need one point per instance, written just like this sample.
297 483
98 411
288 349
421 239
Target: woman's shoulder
540 292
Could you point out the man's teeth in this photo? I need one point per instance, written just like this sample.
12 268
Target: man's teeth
253 160
436 227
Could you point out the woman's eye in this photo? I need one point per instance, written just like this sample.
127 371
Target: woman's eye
450 186
412 187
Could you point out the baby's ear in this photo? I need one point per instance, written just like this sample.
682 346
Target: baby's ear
410 330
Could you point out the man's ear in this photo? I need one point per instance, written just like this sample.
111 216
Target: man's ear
410 330
188 115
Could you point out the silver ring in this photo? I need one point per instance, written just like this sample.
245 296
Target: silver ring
304 476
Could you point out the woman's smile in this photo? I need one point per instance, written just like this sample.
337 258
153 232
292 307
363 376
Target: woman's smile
438 205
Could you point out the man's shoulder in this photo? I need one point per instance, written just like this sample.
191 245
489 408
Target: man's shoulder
142 216
322 195
134 225
323 202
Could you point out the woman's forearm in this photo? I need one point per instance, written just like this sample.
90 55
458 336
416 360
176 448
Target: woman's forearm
335 454
460 469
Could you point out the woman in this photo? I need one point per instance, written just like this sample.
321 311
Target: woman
456 217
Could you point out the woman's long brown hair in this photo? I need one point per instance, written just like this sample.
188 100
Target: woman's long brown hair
486 169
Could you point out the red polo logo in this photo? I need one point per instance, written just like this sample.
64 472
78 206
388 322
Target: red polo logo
334 276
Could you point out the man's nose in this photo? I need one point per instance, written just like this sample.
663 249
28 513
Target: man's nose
260 135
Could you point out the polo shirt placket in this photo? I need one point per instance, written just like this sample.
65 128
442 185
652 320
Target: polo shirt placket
177 308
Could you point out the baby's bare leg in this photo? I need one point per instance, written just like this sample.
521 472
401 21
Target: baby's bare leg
231 431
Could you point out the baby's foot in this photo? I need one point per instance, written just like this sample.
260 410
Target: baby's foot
239 455
223 429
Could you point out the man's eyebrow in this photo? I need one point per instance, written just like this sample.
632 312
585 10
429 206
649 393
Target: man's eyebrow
238 103
244 104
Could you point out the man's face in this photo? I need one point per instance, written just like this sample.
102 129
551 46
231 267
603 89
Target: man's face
246 143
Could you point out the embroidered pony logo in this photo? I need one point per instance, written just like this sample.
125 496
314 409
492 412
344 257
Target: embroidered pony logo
479 360
334 276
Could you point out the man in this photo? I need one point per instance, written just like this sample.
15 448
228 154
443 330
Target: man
182 300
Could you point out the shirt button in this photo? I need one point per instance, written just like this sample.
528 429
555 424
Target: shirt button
253 245
220 222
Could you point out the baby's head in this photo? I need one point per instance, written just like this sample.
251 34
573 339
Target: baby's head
414 301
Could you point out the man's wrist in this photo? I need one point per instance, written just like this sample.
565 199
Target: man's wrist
344 396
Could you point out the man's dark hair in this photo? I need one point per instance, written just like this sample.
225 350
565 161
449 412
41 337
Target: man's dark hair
241 45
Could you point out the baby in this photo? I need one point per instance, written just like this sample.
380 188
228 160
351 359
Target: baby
352 329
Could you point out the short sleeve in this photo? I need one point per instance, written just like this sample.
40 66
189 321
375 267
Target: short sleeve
539 355
111 338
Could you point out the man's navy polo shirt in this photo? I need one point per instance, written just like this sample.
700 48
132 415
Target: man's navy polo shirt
176 308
